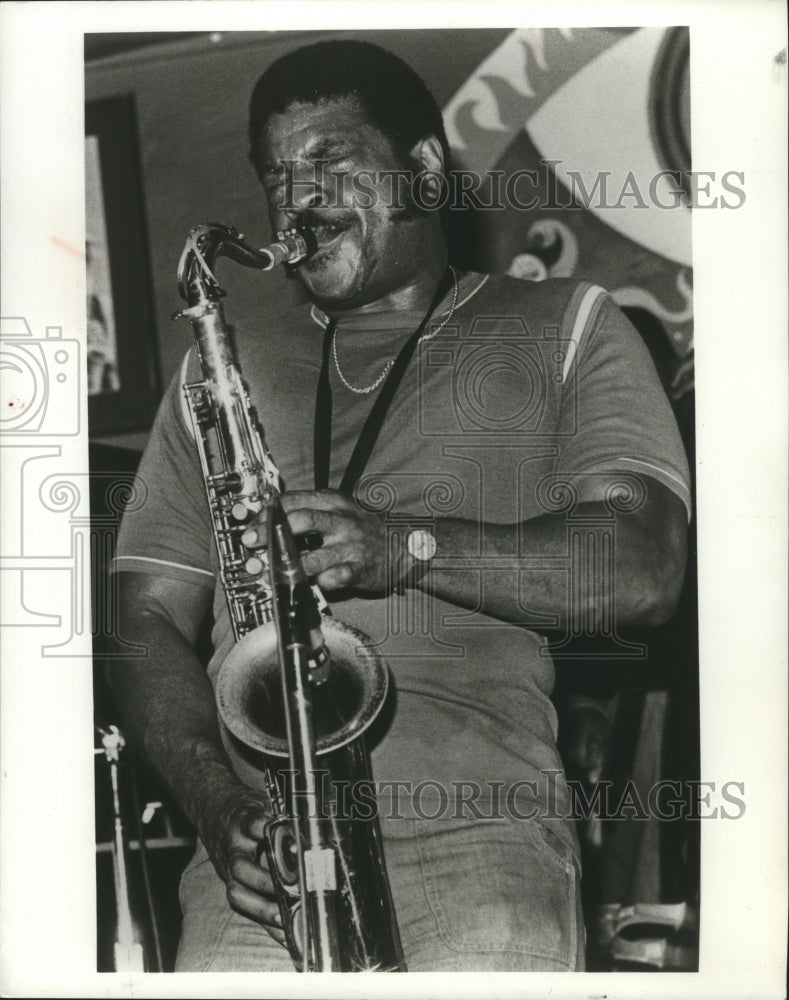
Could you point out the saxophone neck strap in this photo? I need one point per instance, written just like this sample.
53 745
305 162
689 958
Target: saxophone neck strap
371 428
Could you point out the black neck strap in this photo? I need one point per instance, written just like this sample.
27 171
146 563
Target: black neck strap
375 419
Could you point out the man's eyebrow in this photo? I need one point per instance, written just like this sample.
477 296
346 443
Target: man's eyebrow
329 145
323 148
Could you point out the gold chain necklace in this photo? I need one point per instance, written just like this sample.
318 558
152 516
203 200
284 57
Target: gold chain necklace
425 336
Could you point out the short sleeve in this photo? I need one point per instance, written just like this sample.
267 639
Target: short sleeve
615 416
169 533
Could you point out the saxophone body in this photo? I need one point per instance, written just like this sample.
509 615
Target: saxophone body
299 688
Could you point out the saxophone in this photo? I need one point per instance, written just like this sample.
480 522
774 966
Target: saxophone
299 687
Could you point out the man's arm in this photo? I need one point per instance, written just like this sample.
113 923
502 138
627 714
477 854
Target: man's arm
169 713
649 554
649 558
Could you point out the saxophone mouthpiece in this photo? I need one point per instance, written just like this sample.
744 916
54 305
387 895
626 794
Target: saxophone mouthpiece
290 247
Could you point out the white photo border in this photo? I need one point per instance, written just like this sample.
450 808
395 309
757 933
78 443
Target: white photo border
739 84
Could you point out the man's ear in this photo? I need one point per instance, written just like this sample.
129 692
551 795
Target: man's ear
429 154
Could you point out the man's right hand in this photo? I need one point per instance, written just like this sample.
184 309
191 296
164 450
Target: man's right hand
232 832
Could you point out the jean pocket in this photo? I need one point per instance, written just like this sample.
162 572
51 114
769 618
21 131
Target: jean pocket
505 887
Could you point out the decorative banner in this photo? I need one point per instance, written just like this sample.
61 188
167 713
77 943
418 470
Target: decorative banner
592 196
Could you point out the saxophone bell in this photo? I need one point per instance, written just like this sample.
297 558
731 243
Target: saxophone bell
346 700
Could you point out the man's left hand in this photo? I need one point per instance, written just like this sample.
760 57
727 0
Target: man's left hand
356 550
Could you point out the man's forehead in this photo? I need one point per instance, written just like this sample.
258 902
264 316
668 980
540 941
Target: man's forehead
325 113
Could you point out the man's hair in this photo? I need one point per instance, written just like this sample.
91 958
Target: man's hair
394 97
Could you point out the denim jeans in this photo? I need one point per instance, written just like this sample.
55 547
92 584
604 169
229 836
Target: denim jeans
485 895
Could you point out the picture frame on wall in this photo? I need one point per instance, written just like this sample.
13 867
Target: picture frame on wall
123 382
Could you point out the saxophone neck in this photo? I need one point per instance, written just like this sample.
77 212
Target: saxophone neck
197 284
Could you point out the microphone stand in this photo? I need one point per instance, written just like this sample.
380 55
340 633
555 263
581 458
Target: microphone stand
127 951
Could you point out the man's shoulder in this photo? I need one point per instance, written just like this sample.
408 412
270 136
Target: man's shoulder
542 302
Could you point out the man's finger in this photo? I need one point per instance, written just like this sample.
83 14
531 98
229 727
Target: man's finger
333 557
250 904
304 519
277 934
253 875
339 576
253 825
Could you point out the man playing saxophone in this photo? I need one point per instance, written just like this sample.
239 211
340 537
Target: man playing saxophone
476 460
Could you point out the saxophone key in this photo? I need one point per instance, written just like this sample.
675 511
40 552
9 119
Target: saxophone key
240 512
226 482
254 566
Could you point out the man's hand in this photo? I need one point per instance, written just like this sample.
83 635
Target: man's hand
355 551
232 832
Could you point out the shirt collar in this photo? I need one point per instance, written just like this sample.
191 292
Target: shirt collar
469 283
